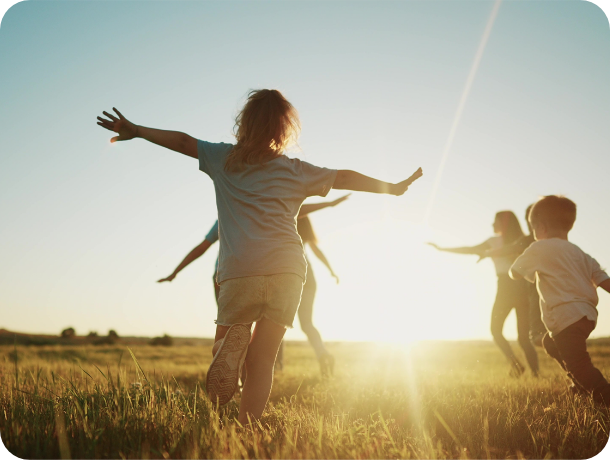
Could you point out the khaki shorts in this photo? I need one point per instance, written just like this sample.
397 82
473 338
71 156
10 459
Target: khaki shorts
249 299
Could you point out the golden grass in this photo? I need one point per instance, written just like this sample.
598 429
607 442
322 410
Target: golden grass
436 400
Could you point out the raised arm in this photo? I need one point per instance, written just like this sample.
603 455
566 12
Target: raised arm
513 249
197 252
126 130
309 208
351 180
475 250
320 255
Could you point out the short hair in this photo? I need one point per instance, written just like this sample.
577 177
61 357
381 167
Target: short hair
556 212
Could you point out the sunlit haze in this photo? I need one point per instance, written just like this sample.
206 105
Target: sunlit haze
88 227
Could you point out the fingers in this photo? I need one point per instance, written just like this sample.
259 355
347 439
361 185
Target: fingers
119 113
115 138
109 115
104 126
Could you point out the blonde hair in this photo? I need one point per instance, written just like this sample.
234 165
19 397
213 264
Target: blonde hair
264 128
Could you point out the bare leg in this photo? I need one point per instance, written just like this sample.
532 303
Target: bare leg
221 331
260 359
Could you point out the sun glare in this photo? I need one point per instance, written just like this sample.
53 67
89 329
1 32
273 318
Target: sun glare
397 289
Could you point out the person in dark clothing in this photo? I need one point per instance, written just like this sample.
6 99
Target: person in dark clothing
537 327
511 294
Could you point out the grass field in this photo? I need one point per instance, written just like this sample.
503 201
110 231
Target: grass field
434 400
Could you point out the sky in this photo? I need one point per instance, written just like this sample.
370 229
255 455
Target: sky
88 227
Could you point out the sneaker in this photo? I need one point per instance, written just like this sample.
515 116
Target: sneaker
223 374
327 365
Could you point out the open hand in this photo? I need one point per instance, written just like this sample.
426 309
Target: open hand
169 278
340 200
126 129
402 187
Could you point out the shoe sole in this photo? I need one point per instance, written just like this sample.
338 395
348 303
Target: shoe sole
223 374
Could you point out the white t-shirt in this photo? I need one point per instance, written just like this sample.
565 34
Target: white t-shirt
566 278
257 210
502 263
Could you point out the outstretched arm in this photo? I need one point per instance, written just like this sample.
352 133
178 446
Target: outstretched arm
513 249
320 255
197 252
309 208
605 285
173 140
476 250
351 180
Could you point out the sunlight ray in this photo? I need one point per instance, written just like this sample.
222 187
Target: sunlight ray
458 114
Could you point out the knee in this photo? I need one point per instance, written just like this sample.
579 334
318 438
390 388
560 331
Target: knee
496 330
525 342
307 327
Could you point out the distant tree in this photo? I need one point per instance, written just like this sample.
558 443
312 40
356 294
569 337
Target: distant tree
92 335
109 339
165 341
68 333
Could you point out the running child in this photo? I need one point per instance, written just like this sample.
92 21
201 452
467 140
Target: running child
212 237
326 361
567 280
261 268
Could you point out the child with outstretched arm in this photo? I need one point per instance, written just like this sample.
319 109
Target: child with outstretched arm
262 267
212 237
567 280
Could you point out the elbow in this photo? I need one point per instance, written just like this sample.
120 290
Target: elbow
341 179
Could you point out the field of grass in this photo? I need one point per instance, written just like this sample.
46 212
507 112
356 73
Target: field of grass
434 400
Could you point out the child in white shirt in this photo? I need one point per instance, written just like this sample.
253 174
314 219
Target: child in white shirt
567 280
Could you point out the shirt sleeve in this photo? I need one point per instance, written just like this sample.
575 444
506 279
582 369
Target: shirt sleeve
212 156
527 264
203 152
598 275
318 181
212 235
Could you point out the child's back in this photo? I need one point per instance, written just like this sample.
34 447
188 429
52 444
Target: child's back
567 280
257 209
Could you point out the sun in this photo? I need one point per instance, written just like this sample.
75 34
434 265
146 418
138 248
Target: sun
397 289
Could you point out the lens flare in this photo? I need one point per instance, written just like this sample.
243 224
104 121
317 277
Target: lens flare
458 114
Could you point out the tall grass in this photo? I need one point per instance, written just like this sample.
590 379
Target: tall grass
432 401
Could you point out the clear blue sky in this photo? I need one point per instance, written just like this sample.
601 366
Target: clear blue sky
88 227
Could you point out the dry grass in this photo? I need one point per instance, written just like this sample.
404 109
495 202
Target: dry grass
433 401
